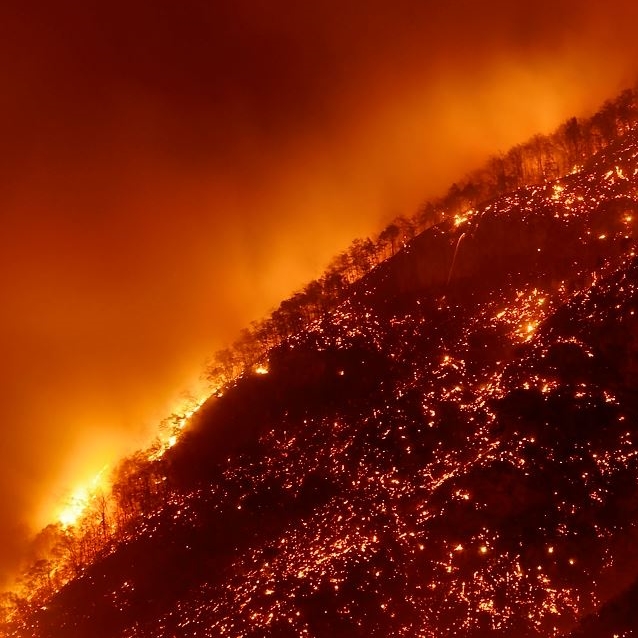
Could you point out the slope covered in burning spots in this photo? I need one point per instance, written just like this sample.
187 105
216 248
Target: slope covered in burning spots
451 452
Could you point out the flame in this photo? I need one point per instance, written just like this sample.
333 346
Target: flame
558 189
461 219
185 411
80 499
75 506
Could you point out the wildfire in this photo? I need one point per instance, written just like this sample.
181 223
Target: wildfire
76 505
458 433
169 436
462 218
558 189
524 314
80 499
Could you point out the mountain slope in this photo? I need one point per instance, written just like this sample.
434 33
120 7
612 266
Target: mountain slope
451 452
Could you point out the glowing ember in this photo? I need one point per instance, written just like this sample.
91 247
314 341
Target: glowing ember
461 479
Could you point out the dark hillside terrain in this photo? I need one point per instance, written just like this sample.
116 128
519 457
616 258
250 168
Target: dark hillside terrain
453 451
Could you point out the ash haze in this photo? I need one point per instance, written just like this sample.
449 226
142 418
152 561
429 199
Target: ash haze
171 170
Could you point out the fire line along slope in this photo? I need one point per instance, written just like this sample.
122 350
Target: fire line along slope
451 452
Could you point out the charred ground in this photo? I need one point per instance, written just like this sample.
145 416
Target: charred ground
453 450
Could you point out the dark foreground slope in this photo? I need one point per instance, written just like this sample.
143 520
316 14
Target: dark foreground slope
454 452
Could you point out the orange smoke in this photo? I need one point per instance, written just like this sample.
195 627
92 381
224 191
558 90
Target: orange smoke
170 175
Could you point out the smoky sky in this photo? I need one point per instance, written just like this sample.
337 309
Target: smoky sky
171 170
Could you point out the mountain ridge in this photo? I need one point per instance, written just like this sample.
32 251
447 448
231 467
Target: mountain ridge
450 451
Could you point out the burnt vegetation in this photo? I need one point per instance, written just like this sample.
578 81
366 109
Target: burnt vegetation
437 437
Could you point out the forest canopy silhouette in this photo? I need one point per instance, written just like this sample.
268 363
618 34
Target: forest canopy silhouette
541 158
144 485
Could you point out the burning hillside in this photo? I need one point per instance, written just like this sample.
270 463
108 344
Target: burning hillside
449 450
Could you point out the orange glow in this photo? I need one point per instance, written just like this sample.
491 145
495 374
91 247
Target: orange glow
461 219
182 413
524 315
165 196
558 189
80 499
